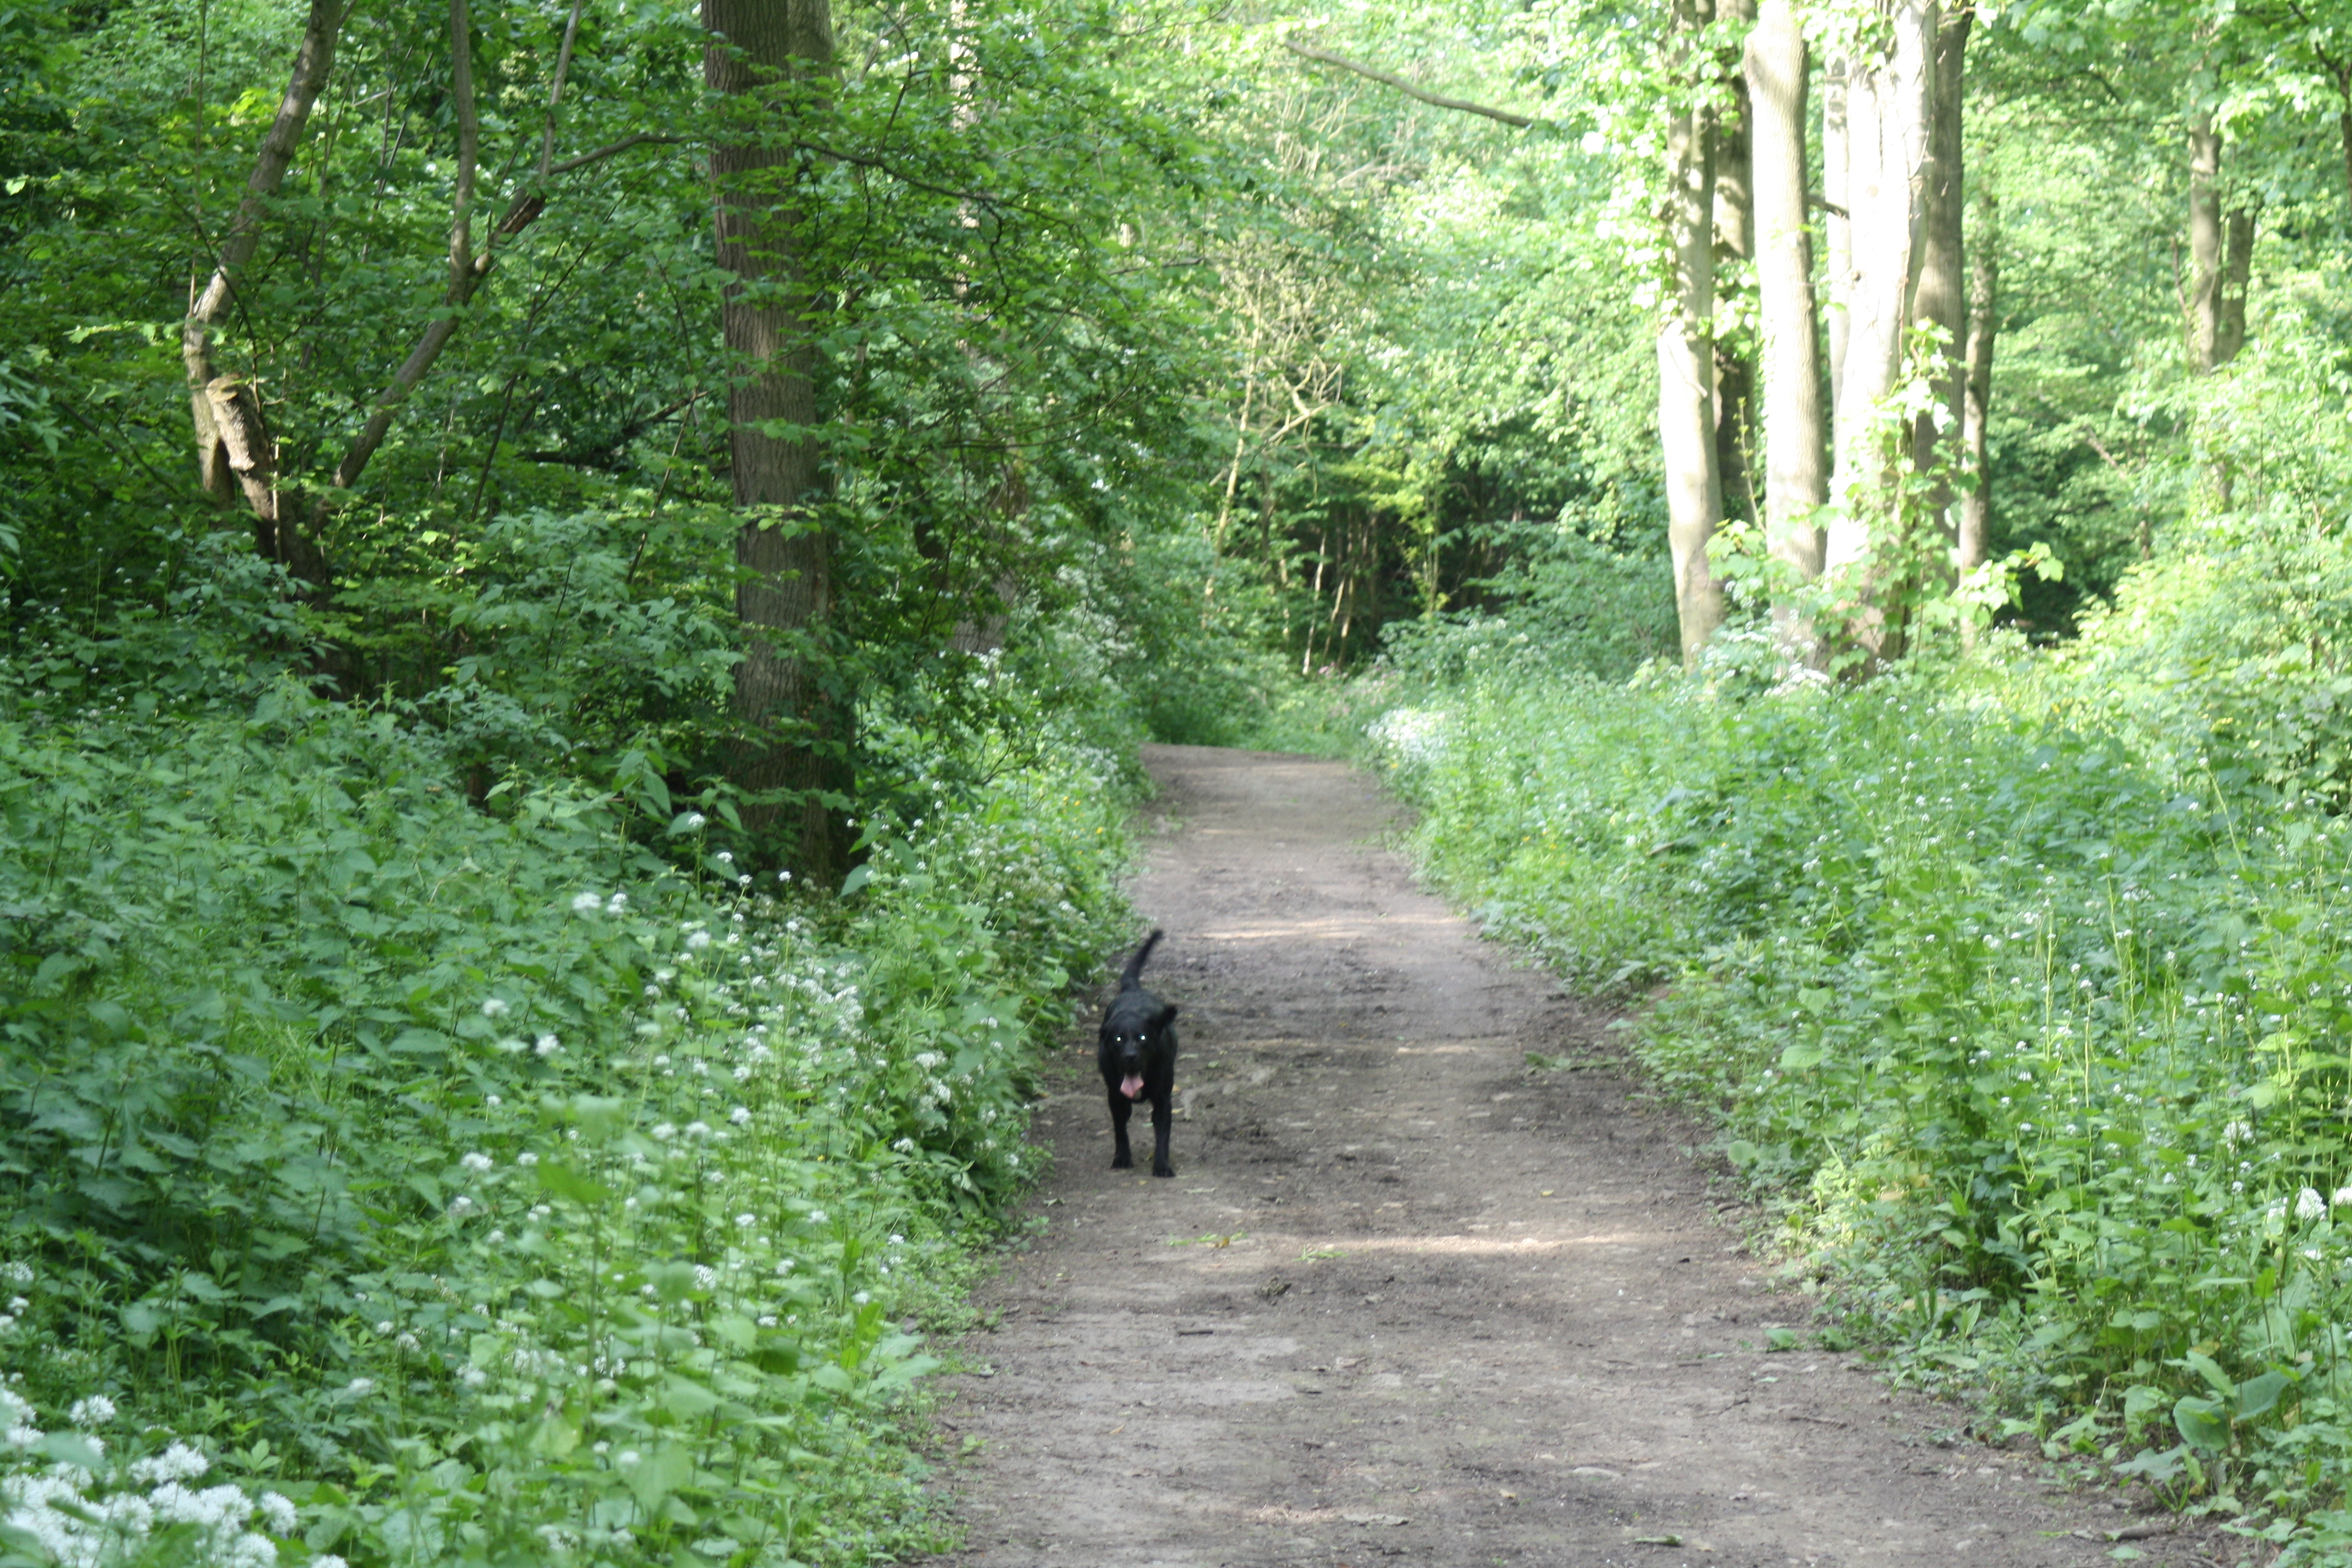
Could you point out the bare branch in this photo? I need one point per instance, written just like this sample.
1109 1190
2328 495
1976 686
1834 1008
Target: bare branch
643 138
312 61
1436 100
555 91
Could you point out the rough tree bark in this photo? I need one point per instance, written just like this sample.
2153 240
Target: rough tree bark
2237 269
1939 295
793 762
1735 244
1837 218
2205 243
234 448
2221 255
1887 104
1796 437
1686 363
1984 285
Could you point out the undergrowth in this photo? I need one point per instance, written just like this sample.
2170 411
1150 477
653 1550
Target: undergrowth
390 1177
2037 1043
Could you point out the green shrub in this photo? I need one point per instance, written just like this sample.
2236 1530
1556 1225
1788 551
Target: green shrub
492 1186
2037 1045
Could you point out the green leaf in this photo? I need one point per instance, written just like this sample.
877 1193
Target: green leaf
2257 1395
564 1182
2202 1424
685 1398
656 1473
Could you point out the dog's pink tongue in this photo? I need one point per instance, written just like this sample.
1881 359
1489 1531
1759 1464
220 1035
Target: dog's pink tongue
1131 1086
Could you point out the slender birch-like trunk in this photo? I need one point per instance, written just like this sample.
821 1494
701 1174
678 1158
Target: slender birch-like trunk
1939 295
1685 356
1796 436
1887 104
234 447
1984 285
1731 137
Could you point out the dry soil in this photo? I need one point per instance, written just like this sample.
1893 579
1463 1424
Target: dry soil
1406 1300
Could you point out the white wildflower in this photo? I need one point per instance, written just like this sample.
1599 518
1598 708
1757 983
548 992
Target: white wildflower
2309 1205
177 1463
587 903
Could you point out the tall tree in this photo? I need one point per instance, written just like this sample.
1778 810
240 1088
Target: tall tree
772 61
1939 294
234 447
1796 437
2221 254
1984 285
1686 416
1888 98
1731 130
1837 218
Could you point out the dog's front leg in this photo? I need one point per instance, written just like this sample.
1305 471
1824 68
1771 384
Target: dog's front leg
1160 1117
1121 1109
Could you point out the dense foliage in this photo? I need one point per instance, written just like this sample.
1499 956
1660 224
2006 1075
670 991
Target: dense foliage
437 1127
492 1181
2022 989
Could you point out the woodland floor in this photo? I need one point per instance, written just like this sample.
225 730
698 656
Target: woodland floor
1466 1314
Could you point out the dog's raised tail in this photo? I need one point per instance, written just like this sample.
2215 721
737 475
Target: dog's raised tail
1131 977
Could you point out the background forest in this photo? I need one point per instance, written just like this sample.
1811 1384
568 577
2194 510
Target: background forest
581 582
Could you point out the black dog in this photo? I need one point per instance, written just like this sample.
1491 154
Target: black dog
1136 1054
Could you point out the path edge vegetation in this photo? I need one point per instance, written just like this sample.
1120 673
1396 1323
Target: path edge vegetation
2015 1008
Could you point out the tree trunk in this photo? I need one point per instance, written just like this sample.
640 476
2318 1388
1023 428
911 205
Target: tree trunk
217 456
773 58
1939 295
2237 265
2205 243
1887 104
1735 244
1686 360
1984 284
1837 218
1796 461
2344 131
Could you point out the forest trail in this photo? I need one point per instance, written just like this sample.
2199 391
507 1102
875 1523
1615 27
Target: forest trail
1467 1315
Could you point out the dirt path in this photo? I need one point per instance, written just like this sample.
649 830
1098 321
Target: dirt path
1465 1314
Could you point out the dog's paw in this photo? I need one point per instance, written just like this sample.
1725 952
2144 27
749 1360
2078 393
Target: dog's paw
1122 1162
1163 1169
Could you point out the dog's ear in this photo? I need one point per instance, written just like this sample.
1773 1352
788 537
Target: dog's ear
1167 1015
